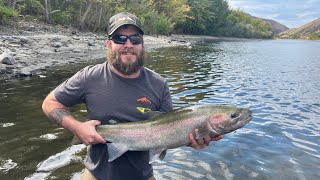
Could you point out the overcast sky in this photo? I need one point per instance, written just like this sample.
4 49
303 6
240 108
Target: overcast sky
291 13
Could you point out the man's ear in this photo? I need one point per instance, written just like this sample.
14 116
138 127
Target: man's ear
108 43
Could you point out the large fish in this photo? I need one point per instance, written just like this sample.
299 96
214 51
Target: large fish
171 130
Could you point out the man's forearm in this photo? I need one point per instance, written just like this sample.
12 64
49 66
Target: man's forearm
63 117
58 114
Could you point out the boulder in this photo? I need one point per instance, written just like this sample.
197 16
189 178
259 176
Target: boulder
7 57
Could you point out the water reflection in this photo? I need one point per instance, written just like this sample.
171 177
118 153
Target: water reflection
191 73
278 80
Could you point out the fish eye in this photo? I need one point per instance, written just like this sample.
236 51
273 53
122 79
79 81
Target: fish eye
233 115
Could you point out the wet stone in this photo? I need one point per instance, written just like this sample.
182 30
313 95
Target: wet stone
7 57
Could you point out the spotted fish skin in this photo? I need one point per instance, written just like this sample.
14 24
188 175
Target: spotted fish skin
171 130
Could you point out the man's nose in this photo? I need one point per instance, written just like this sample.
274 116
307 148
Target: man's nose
128 43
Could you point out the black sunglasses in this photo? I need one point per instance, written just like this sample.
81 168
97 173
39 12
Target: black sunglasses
122 39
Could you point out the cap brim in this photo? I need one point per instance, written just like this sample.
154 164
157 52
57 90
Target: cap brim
117 27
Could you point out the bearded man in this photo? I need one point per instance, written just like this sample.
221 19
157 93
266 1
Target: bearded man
115 90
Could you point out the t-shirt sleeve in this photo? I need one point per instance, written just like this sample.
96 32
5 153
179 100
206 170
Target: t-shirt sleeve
166 103
71 91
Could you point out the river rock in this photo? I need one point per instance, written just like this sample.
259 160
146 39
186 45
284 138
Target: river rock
91 43
57 44
7 57
76 51
7 38
24 40
23 73
75 37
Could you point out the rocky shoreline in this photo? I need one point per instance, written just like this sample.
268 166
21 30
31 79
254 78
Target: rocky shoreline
29 49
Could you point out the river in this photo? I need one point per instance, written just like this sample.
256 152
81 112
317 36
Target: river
277 79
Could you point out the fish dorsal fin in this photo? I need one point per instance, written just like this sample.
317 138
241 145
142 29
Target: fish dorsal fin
156 154
115 150
153 114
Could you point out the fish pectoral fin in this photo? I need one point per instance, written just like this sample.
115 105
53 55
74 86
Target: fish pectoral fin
115 150
214 133
156 154
202 133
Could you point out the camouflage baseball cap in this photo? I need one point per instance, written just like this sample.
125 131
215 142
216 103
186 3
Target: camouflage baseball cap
121 19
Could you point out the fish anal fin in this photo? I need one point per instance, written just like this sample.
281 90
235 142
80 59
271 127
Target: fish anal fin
115 150
113 121
162 154
156 154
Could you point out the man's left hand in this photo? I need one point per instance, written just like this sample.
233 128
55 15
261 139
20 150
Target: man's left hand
202 142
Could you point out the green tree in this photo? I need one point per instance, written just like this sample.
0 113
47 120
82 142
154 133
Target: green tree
198 17
31 7
240 24
221 9
162 25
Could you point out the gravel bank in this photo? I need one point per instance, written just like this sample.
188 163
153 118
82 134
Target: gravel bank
30 48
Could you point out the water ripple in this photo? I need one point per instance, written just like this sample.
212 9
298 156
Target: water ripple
277 79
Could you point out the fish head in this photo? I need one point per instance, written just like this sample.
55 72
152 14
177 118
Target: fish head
225 119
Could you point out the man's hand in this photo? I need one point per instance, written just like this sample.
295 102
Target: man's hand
86 132
202 142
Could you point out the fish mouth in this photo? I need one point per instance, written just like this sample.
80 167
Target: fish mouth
247 115
244 117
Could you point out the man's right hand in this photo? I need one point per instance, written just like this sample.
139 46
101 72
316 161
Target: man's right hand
86 132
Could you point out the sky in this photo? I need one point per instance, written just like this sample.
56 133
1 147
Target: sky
291 13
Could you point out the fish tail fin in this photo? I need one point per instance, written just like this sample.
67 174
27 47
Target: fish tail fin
115 150
76 140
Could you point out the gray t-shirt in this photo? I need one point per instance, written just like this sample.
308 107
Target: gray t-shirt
109 96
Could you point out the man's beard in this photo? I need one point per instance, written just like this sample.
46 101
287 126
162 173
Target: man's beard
126 68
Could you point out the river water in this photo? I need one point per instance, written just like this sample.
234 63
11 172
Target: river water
277 79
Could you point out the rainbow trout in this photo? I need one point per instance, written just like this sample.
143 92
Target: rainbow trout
170 130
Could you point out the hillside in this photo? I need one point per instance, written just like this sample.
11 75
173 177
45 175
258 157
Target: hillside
310 30
276 26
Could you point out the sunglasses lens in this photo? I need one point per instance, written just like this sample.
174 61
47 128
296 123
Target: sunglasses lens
118 39
136 39
122 39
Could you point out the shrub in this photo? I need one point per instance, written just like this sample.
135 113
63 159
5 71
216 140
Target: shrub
6 14
162 25
62 17
315 36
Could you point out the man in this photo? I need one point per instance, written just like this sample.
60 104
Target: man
121 89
